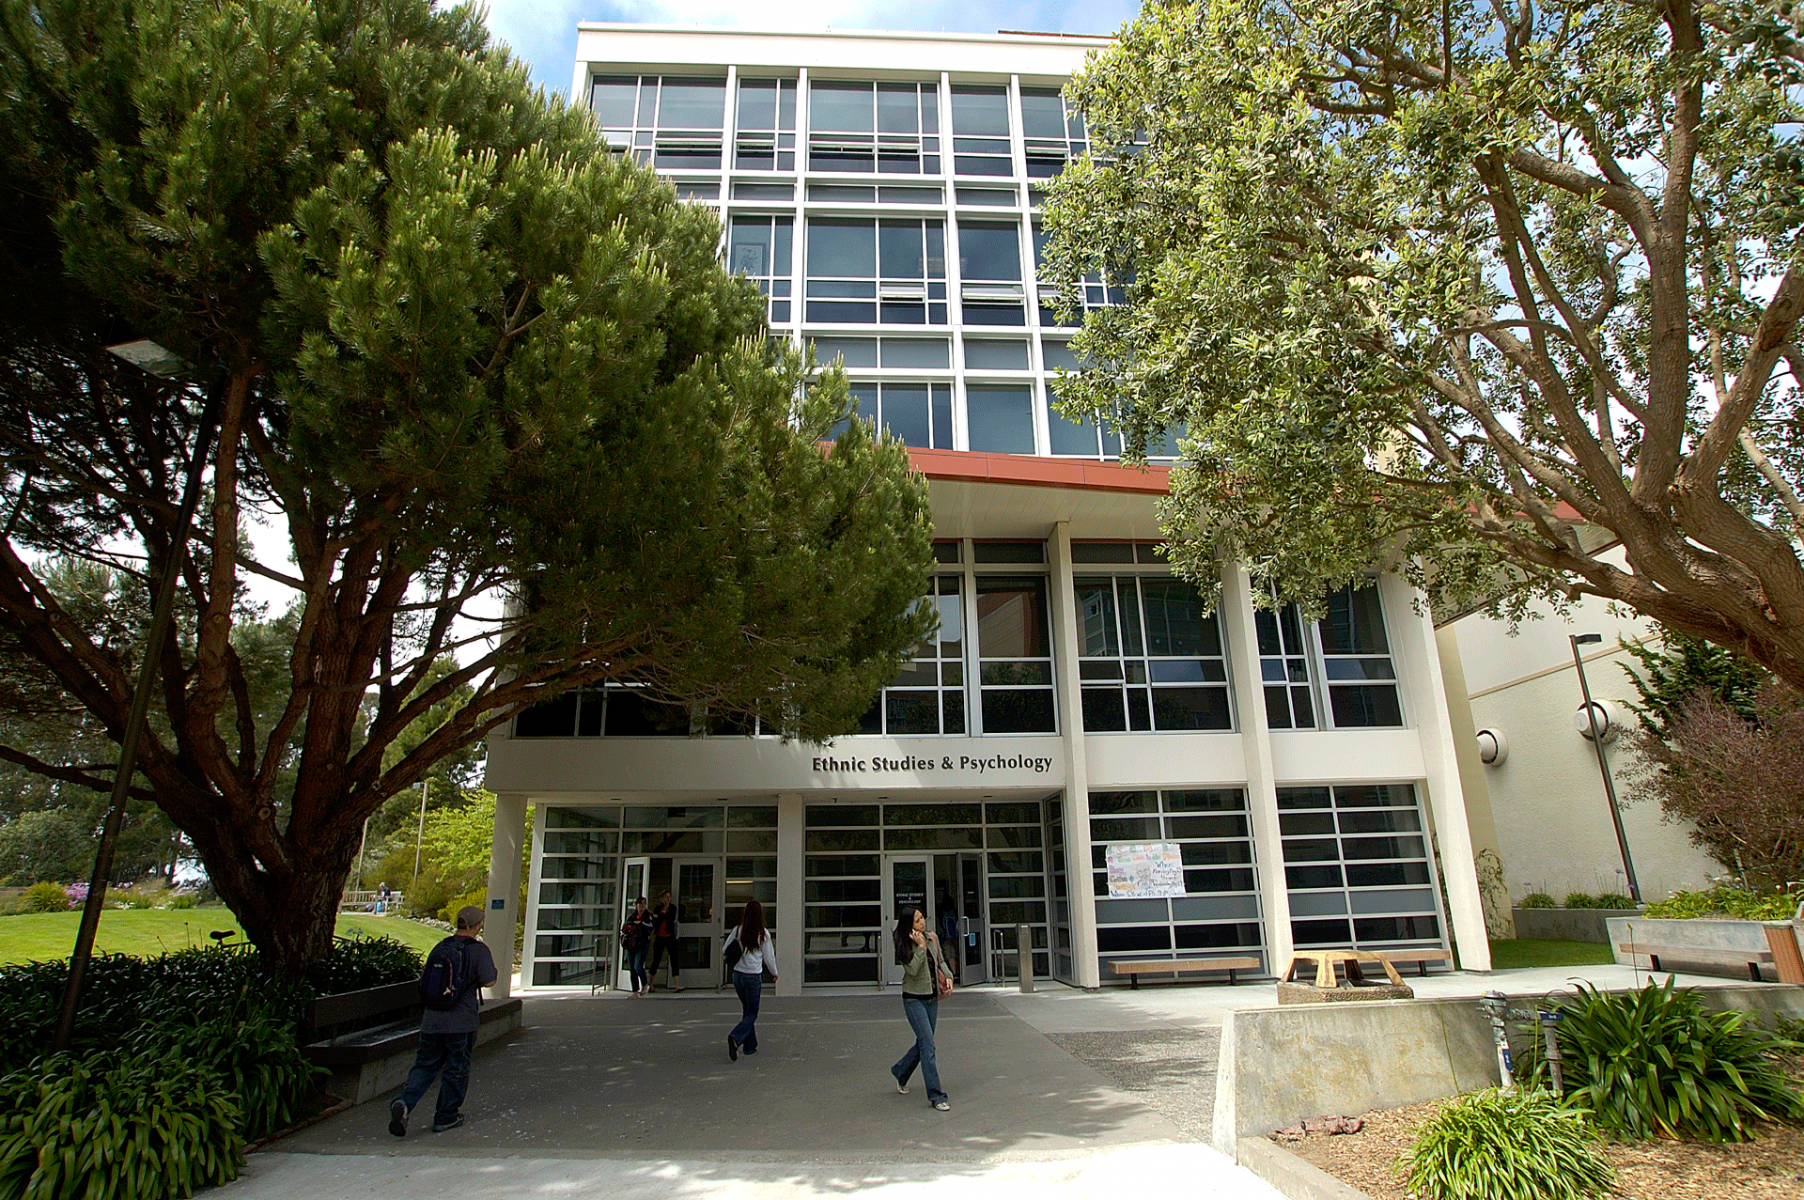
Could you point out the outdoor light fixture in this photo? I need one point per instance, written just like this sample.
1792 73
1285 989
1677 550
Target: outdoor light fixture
1603 761
147 355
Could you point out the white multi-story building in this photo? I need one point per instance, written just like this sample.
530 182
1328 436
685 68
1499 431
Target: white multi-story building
1296 781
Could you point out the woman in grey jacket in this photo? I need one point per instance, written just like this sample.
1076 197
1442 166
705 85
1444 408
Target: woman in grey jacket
918 952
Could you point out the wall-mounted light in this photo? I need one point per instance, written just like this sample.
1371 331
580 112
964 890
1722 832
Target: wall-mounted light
1605 716
1493 747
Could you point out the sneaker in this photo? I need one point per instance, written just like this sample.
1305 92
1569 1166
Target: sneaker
440 1126
677 988
942 1105
397 1117
732 1048
901 1088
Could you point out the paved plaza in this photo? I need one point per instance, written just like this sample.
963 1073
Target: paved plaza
1084 1092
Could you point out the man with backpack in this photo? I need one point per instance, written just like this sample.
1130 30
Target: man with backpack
456 971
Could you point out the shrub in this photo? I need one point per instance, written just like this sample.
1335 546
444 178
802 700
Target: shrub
255 1055
1580 900
1616 900
145 1126
1725 901
1537 900
179 901
1653 1063
357 963
1498 1145
44 897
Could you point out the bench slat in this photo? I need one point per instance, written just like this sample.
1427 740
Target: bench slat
1134 968
389 1000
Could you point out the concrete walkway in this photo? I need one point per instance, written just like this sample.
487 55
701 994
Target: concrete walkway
637 1099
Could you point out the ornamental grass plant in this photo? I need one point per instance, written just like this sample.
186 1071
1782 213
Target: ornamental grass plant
1654 1063
1514 1145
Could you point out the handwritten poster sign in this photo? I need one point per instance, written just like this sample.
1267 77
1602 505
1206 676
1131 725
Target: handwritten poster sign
1145 870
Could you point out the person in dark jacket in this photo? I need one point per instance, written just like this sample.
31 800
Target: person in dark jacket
635 939
447 1038
664 941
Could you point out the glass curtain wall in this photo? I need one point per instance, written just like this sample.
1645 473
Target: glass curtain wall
1358 868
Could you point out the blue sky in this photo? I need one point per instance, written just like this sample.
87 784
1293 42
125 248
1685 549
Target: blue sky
543 32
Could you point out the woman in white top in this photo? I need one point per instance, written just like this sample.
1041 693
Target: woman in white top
757 954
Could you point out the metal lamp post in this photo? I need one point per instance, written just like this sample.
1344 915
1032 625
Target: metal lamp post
149 356
1603 760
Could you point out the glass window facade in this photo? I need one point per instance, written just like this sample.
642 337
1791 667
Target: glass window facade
1149 658
1358 868
882 128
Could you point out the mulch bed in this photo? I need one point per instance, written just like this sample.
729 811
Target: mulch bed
1769 1168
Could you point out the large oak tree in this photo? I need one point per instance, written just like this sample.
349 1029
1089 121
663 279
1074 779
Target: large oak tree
455 354
1505 295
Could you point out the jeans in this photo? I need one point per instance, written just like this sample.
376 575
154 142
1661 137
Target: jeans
449 1052
751 990
922 1016
635 965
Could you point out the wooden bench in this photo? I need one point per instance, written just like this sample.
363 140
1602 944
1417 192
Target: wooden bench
1753 960
1420 957
1135 968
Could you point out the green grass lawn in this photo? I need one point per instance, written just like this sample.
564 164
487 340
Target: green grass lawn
1532 952
146 933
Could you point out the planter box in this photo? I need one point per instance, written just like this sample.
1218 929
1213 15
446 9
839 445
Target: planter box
1568 924
1720 944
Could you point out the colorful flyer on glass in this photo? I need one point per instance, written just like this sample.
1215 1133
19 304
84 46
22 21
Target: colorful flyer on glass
1145 870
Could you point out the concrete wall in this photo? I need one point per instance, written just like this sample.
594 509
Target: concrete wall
1568 924
1547 796
1287 1064
1282 1065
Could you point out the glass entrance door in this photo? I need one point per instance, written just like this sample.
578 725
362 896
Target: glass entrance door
696 891
906 887
973 925
634 876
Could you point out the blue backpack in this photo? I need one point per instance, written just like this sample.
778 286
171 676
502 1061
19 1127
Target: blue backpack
448 976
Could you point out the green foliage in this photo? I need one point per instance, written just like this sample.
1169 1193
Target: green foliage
43 897
1537 900
46 844
1498 1145
1725 900
254 1054
1387 282
364 962
137 1125
1683 667
179 902
463 352
1579 900
1619 901
1654 1063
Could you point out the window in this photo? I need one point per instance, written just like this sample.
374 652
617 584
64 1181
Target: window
888 128
1052 134
1093 294
1014 654
928 695
1356 865
1356 661
864 271
996 354
917 414
1284 667
980 131
670 122
1220 907
759 248
989 268
1148 658
766 137
886 352
1079 438
1000 419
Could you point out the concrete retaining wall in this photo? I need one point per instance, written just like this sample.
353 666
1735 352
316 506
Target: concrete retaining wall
1568 924
1282 1065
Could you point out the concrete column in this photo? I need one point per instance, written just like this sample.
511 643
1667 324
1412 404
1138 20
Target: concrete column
1084 967
792 836
1418 666
1487 848
1239 628
532 895
503 908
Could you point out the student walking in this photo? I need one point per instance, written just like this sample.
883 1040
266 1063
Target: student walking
752 954
635 940
925 982
458 967
664 941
